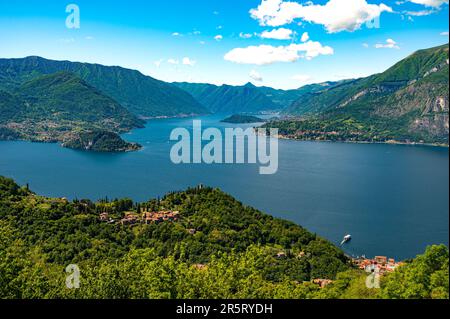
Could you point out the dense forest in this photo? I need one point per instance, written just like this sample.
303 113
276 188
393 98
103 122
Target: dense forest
47 101
219 248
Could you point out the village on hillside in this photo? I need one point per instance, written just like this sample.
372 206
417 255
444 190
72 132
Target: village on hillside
379 264
134 218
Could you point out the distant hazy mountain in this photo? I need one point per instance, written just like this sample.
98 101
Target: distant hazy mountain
243 99
53 107
247 98
140 94
229 99
410 101
284 98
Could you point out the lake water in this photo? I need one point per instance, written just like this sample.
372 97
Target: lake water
393 199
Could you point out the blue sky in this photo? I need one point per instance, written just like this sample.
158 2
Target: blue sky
221 41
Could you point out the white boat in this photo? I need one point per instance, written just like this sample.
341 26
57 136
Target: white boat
346 239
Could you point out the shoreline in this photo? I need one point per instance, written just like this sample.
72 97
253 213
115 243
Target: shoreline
61 141
390 142
166 117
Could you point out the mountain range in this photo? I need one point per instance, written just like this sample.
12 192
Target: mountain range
61 101
58 107
408 103
48 100
248 98
142 95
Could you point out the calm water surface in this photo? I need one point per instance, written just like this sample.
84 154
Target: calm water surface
393 199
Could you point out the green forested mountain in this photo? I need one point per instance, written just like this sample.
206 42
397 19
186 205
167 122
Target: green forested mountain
98 141
66 97
285 98
242 119
248 98
219 248
51 107
140 94
230 99
10 106
408 102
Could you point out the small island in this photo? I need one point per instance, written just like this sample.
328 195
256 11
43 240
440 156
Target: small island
99 141
243 119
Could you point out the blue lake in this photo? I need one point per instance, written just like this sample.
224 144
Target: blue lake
393 199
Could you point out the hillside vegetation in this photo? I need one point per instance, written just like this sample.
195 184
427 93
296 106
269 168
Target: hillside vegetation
228 99
242 119
54 107
218 249
407 103
99 141
141 95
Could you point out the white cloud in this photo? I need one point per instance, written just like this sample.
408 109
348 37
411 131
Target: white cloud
390 44
90 38
188 61
267 54
173 61
335 15
256 76
176 34
277 34
305 37
430 3
245 35
202 42
419 13
445 33
218 37
303 78
366 45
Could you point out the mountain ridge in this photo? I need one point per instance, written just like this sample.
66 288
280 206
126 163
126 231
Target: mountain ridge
141 94
54 107
408 102
228 98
